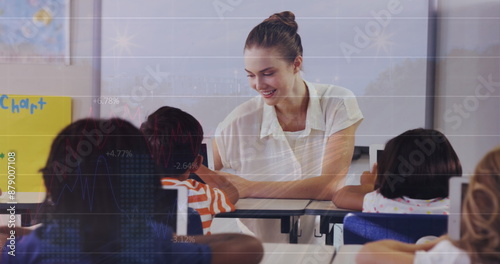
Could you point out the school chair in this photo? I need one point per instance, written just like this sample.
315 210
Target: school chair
360 228
195 226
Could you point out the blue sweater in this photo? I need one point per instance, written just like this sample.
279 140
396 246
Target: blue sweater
57 243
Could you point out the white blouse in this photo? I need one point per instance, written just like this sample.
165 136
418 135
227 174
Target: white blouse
252 143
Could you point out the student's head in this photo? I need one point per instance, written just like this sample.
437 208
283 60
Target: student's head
101 180
88 160
273 57
417 164
481 211
175 139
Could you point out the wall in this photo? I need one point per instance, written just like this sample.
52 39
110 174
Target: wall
468 77
188 55
73 80
468 49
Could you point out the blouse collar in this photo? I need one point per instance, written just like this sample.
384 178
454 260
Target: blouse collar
314 117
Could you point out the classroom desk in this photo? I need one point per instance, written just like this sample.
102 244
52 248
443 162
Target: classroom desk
288 210
329 215
26 203
282 253
347 254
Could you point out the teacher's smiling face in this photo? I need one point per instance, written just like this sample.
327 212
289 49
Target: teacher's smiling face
271 75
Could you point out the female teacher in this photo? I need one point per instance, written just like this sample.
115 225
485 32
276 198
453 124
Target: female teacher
296 139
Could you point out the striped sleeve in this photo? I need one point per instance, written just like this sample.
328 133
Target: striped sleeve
221 203
205 200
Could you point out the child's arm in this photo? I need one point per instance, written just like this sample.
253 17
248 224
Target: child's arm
215 180
352 196
231 248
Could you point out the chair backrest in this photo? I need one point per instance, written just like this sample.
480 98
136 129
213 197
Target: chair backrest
360 228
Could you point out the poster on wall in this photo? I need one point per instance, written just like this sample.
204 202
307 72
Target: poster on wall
29 123
34 31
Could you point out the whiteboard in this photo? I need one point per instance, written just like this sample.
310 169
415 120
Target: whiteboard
189 54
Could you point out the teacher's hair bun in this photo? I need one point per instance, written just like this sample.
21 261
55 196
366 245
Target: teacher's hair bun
285 17
279 31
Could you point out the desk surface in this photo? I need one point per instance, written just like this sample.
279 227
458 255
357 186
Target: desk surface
25 200
347 254
325 208
278 253
253 208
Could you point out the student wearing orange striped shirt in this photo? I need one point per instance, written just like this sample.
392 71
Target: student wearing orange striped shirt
175 138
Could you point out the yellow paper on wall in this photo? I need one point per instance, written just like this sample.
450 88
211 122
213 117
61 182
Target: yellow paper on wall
28 124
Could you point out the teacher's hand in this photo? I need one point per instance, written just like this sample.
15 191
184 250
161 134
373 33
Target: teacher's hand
244 186
219 179
368 178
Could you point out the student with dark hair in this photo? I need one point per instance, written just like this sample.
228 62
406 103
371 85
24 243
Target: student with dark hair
411 176
105 203
480 239
175 138
295 140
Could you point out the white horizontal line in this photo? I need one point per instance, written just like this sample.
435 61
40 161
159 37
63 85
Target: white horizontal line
252 18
